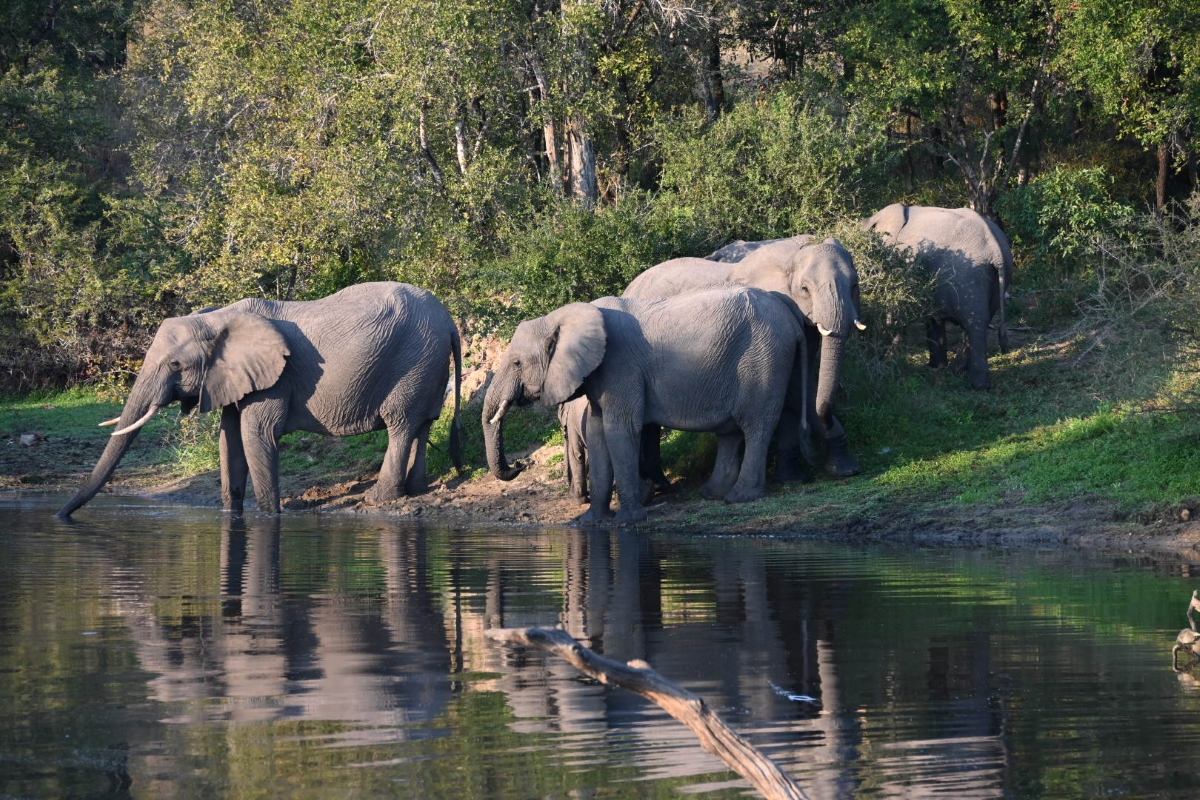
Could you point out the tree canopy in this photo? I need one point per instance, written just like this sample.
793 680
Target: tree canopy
161 155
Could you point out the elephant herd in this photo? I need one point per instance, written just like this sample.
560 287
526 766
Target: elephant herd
747 343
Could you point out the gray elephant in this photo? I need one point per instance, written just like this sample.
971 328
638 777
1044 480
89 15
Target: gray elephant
718 360
573 415
972 262
821 278
370 357
740 248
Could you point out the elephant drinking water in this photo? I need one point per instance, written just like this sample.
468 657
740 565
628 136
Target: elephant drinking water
372 356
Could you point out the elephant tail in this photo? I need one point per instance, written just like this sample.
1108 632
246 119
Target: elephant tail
456 435
1004 273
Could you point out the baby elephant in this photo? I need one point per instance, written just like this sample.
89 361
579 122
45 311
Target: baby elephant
715 360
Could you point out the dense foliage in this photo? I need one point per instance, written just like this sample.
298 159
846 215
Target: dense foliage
161 155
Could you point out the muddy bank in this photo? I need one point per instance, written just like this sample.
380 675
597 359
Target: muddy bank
538 497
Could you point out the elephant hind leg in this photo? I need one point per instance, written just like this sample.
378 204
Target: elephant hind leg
935 340
417 481
725 470
394 471
752 477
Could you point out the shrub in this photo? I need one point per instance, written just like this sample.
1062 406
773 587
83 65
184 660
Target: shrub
1056 218
786 164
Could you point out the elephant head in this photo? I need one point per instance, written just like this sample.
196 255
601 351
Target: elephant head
548 359
209 359
823 281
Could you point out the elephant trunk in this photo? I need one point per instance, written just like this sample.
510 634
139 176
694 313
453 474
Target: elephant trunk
828 377
495 405
138 410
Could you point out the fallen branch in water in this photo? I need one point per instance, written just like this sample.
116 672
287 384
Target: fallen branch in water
639 677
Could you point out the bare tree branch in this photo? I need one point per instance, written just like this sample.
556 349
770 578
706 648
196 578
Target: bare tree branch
637 676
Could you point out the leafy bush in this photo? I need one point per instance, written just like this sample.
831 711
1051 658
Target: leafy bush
787 164
1055 220
574 254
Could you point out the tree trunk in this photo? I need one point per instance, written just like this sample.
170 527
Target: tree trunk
1164 172
714 84
583 162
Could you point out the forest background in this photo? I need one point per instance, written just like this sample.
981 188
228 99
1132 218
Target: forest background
158 156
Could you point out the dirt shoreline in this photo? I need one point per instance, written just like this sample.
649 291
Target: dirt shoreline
537 498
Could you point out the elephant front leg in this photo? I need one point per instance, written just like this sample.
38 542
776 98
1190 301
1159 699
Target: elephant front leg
234 469
623 437
600 470
260 439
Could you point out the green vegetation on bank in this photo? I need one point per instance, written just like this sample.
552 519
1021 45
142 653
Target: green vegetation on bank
158 156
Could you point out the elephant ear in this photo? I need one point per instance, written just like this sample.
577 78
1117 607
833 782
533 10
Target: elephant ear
247 354
888 220
576 348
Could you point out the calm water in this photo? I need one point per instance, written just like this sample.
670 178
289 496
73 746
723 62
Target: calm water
156 651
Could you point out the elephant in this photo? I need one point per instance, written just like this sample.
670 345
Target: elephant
573 416
821 278
972 262
372 356
740 248
717 360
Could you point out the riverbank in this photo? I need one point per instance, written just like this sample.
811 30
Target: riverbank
1081 442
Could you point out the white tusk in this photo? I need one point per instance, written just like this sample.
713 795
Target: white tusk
823 331
499 413
858 324
139 423
109 422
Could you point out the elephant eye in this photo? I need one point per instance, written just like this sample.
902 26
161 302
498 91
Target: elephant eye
174 365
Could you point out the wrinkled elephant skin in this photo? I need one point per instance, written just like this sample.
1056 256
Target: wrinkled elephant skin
370 357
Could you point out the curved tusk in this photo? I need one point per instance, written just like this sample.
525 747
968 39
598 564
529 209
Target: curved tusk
499 413
139 423
109 422
824 331
858 324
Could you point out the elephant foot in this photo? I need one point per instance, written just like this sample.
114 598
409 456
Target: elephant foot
580 498
790 469
839 462
595 516
713 491
980 382
630 515
413 487
648 491
378 495
740 494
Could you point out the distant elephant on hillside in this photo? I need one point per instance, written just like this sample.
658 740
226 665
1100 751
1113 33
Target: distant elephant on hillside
718 360
370 357
821 278
972 262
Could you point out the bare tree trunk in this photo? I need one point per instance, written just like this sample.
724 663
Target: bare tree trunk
1164 172
583 162
714 84
549 130
715 736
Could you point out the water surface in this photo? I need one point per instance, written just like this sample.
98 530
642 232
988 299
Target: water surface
150 650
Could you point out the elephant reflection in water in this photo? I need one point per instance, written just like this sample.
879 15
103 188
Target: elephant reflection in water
325 656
